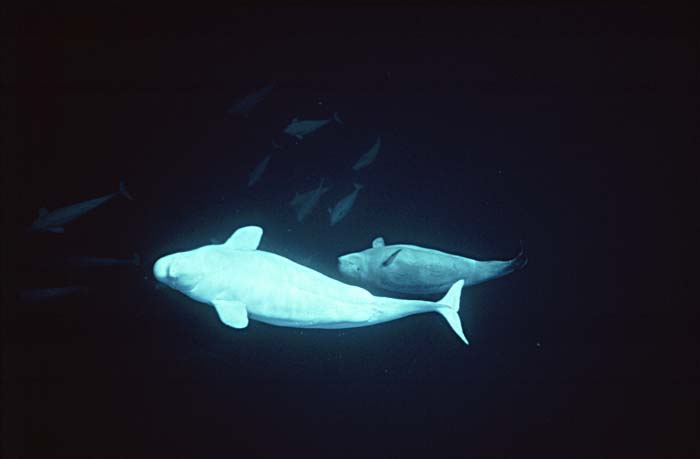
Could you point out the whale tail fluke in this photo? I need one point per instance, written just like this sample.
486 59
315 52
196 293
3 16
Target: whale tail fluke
448 307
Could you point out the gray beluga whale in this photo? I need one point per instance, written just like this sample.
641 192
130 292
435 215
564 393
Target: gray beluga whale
304 203
53 221
418 270
244 105
257 172
299 128
243 283
369 157
343 206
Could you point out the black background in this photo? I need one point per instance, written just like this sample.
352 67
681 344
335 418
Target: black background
564 127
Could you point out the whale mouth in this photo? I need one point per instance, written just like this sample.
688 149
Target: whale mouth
162 269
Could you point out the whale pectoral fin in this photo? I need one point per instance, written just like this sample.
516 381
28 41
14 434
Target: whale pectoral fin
246 238
391 258
232 313
378 242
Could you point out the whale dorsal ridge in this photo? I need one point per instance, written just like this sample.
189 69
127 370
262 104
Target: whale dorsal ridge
246 238
378 242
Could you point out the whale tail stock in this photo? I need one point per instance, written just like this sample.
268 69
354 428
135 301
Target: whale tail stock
448 307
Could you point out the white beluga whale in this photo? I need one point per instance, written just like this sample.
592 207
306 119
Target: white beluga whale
369 157
256 173
299 128
343 206
244 283
418 270
54 220
304 203
244 105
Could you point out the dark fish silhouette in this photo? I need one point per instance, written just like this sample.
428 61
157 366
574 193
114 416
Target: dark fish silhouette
54 220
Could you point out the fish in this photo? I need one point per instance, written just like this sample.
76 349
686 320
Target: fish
258 171
369 157
37 295
244 105
242 283
98 262
304 203
418 270
299 128
54 220
343 206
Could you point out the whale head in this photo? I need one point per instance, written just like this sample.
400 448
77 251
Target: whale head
180 271
198 273
353 265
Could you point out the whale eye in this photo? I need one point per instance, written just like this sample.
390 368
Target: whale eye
348 265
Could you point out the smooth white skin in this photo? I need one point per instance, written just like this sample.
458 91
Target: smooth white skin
281 292
276 290
417 270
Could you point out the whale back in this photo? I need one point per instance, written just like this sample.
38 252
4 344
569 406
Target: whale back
412 269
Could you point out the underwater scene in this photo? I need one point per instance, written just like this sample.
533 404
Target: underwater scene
367 232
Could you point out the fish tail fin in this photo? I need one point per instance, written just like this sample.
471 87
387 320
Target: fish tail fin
448 307
122 190
336 117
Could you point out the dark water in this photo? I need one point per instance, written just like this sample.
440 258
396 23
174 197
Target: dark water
558 127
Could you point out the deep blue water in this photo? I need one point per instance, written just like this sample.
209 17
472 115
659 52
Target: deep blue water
556 127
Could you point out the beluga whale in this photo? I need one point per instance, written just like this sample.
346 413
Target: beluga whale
417 270
243 283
